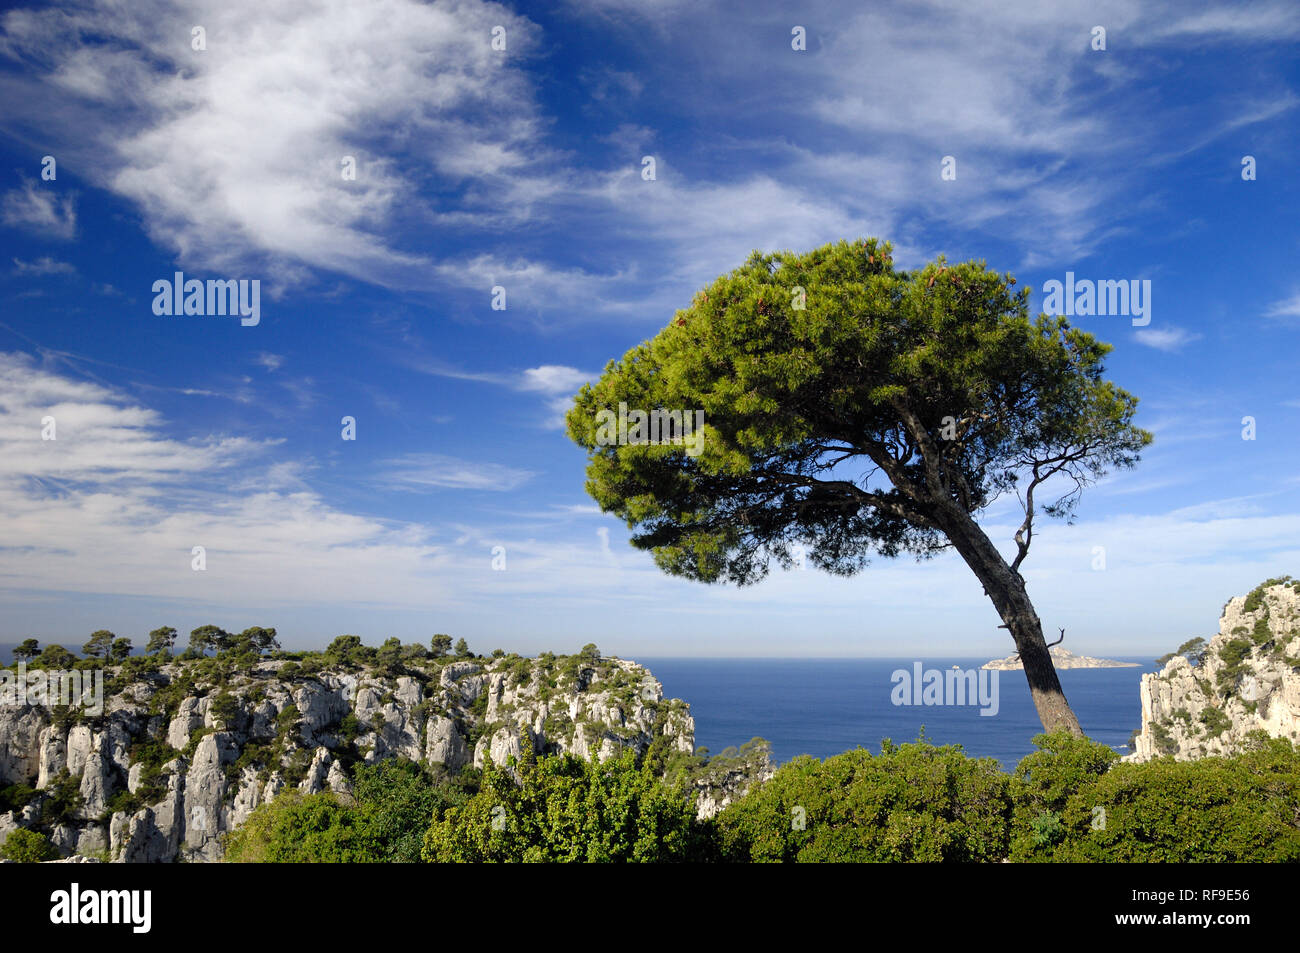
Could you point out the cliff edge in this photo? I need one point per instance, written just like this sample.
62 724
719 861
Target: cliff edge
1212 698
183 753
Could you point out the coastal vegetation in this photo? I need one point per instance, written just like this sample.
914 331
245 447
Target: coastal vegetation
1070 801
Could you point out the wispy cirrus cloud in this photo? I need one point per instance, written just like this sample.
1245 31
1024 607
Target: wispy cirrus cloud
44 266
55 427
557 383
41 209
1285 309
432 471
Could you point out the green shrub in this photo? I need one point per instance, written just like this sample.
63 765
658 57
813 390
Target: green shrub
349 728
1255 599
286 722
914 802
123 802
1215 721
568 809
1241 809
1043 783
399 800
27 847
1061 765
15 797
1164 741
480 705
226 708
1233 655
1046 829
384 821
298 828
63 798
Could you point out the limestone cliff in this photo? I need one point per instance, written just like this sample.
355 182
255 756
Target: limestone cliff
1245 680
184 754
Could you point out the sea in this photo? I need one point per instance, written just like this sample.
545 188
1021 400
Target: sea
822 707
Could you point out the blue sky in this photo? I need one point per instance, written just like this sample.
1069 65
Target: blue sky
522 168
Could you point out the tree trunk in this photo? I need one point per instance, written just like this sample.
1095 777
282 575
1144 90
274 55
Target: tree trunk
1007 591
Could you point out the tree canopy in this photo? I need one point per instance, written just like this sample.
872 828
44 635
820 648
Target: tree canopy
853 409
834 424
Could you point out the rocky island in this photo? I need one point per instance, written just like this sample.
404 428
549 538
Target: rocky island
1061 658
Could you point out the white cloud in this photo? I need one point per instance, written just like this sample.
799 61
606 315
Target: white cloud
556 382
44 266
1257 21
99 435
425 471
539 286
272 362
1166 339
234 153
1286 308
41 209
553 379
1011 89
559 383
114 506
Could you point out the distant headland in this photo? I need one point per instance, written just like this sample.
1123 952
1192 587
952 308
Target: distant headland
1061 658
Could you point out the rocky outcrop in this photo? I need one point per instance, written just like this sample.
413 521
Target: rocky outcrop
176 760
20 734
1245 680
730 775
1061 658
612 710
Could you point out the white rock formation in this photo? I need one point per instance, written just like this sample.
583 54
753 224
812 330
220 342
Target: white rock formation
290 733
1248 680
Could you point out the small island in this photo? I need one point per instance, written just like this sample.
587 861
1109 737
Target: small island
1061 658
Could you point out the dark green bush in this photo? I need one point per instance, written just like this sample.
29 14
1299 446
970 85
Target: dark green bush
1215 721
399 800
568 809
384 821
63 798
914 802
1240 809
1043 783
1233 655
15 797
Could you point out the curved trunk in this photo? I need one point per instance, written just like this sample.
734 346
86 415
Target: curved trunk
1007 591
